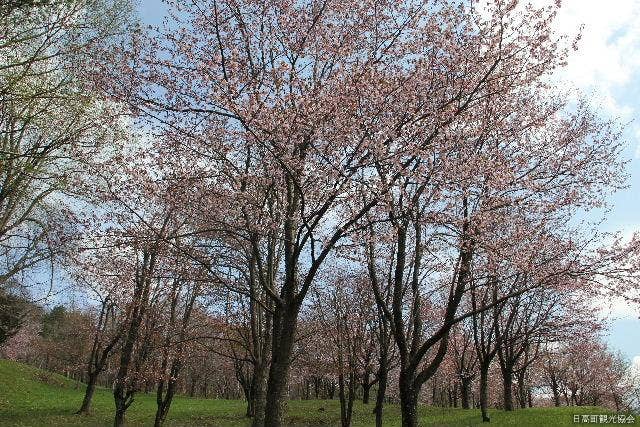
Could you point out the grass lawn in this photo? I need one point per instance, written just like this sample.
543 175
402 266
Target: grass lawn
31 397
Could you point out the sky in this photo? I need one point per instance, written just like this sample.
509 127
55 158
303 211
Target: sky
606 67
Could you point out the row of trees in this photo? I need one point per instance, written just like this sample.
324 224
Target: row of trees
256 182
331 362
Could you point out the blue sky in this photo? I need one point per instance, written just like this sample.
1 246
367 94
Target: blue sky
607 68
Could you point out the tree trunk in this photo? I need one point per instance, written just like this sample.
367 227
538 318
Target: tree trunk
366 387
366 391
284 329
408 401
259 395
507 383
121 397
455 395
331 389
192 388
556 392
247 389
276 389
307 389
247 384
119 418
465 388
484 392
164 402
522 392
316 386
346 394
382 388
122 391
88 394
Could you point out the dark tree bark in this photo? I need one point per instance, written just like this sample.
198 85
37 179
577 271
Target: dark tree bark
522 331
522 389
99 354
167 387
507 384
366 385
465 359
330 387
88 394
384 363
454 394
317 381
124 390
260 309
486 336
193 385
381 391
259 393
465 390
484 391
347 395
246 383
555 389
285 322
408 335
408 401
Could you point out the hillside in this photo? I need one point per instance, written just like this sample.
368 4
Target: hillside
32 397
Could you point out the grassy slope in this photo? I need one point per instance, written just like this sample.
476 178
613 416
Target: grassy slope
30 397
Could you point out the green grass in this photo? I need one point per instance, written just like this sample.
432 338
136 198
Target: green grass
31 397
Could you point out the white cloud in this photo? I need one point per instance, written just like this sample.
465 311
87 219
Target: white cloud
608 54
607 62
616 307
608 58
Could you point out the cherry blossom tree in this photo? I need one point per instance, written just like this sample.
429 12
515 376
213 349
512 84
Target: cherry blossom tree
424 135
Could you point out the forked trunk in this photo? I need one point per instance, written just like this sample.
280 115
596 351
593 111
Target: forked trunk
164 399
347 396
